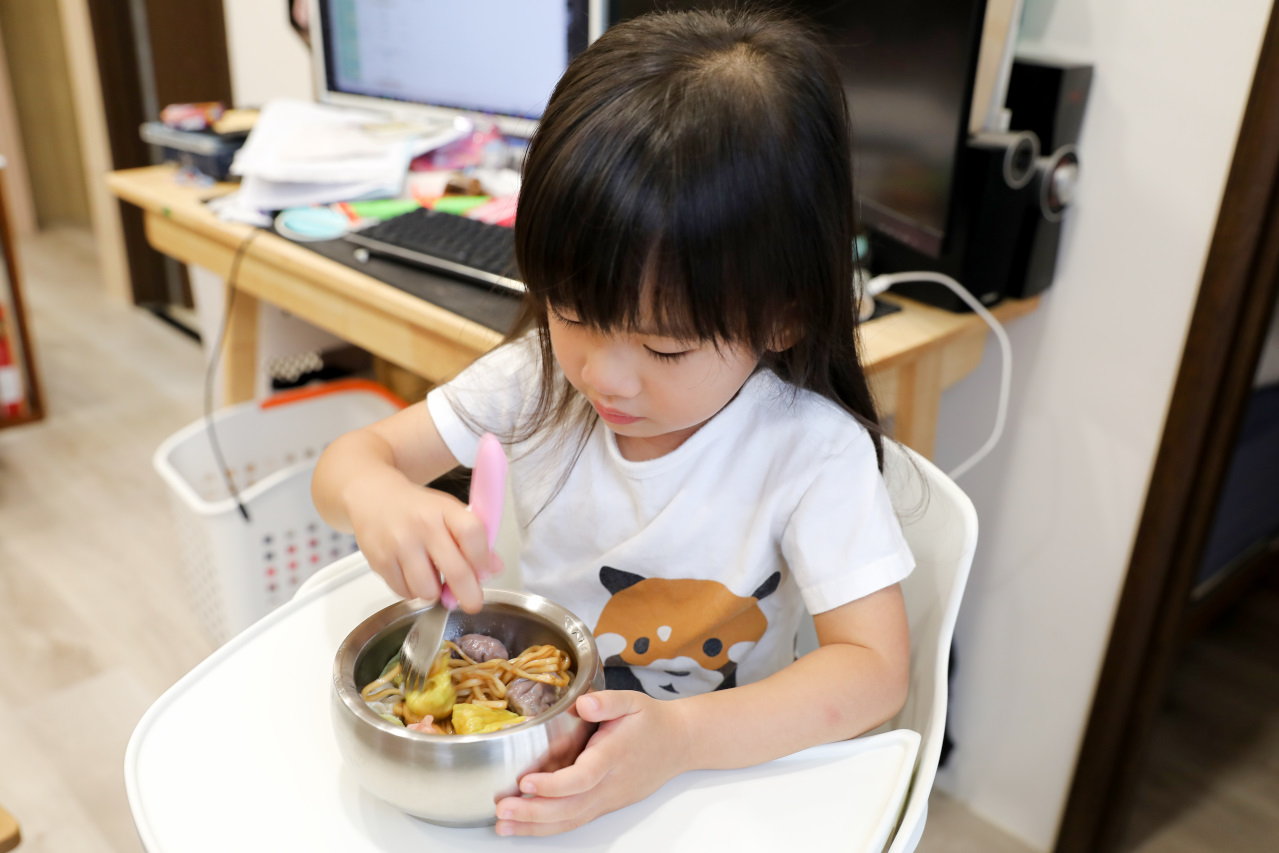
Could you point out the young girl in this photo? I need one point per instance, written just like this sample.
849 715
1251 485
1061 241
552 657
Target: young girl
695 456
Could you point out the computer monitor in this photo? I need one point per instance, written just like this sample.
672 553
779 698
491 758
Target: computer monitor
908 69
495 58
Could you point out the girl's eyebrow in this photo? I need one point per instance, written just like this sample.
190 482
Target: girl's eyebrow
650 332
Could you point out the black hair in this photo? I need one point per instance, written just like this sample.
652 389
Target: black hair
693 170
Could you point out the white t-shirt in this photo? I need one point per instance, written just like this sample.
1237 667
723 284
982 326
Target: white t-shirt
692 568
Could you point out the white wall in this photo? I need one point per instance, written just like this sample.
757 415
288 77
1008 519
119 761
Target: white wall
1060 499
268 60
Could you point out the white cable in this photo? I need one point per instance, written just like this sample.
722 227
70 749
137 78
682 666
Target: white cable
880 283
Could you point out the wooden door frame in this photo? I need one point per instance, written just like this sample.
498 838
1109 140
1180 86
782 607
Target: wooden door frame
1231 317
24 351
180 56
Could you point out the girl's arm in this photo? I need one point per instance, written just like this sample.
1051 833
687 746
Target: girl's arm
854 682
370 482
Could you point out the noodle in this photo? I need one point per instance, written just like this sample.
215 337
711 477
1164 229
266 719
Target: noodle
480 684
486 683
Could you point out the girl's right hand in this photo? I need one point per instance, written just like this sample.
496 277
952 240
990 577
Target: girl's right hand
414 537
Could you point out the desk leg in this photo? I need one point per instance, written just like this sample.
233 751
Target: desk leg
240 351
918 401
10 835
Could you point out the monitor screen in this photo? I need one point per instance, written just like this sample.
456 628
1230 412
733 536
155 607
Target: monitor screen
501 57
908 69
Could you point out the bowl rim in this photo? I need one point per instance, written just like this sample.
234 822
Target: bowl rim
574 628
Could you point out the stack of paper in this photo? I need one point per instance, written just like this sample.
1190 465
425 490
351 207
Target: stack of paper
302 153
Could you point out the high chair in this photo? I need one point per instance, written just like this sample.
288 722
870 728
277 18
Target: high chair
940 526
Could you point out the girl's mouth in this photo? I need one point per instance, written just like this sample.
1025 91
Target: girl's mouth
613 416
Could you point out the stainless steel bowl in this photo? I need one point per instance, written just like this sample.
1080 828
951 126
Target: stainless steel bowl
456 780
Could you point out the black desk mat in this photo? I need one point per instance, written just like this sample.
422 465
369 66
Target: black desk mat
494 307
883 309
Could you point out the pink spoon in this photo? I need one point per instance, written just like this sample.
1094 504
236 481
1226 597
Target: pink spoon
488 490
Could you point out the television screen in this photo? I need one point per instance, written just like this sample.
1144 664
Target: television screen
501 56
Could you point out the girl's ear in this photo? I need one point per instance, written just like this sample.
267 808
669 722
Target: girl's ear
786 333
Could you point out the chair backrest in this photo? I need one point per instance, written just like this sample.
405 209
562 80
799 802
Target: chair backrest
940 526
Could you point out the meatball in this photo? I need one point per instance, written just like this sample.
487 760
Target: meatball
481 647
530 698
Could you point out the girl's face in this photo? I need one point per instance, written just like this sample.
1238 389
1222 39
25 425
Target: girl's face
652 391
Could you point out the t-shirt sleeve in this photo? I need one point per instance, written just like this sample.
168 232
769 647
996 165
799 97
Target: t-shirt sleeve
492 395
844 541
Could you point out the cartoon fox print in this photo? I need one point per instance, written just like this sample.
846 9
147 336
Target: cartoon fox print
676 637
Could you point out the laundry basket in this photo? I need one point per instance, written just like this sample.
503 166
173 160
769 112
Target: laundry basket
238 570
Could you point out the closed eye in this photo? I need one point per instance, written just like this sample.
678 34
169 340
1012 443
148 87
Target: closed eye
566 321
667 356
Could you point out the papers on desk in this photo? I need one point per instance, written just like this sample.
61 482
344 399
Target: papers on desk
302 153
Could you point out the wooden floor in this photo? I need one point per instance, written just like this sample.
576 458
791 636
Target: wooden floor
1212 779
95 625
93 618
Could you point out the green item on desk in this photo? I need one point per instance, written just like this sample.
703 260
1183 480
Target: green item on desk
459 204
383 208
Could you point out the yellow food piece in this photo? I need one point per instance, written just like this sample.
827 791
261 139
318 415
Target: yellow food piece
471 719
437 698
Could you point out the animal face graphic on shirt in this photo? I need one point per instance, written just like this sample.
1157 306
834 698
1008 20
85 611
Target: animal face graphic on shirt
676 637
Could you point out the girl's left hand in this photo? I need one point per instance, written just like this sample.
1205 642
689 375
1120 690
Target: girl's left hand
641 743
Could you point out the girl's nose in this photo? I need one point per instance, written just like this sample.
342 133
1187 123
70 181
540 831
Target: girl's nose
607 370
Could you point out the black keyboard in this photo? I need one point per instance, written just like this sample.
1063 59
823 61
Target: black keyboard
443 242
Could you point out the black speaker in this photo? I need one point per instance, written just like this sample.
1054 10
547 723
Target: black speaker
994 183
1046 98
1009 196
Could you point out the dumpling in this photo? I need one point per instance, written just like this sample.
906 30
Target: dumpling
471 719
482 647
437 698
530 698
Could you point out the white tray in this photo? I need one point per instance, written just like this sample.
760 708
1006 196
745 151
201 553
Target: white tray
239 755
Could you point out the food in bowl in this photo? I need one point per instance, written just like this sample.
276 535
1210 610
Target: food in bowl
457 780
473 687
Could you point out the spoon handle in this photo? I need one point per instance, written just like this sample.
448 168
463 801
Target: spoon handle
488 493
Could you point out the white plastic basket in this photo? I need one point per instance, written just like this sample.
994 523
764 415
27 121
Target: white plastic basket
237 571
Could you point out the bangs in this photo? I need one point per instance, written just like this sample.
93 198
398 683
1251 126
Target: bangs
607 245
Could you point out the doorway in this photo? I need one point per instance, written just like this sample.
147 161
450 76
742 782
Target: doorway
1165 603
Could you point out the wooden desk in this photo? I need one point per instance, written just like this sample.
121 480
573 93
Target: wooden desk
911 356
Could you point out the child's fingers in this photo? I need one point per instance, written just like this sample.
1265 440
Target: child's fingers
496 567
602 705
468 532
510 827
394 577
456 572
586 773
419 574
543 816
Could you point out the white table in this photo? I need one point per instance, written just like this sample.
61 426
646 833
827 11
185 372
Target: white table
239 755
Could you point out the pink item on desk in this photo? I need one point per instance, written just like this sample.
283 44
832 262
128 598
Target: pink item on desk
197 116
465 152
427 186
498 211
